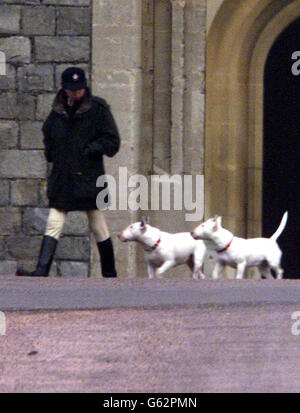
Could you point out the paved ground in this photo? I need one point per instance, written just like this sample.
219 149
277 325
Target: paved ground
149 336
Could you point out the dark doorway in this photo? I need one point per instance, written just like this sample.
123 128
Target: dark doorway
281 155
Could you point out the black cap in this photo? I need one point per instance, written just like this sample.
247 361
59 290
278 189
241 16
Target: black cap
73 78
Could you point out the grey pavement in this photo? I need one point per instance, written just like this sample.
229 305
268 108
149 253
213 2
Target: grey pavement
151 336
17 294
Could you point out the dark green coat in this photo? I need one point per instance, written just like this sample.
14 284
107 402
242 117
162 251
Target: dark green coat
76 145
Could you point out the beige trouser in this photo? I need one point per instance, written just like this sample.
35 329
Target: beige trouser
97 224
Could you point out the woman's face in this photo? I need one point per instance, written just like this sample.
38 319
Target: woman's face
75 94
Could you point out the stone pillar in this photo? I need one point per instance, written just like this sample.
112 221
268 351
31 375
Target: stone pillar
117 77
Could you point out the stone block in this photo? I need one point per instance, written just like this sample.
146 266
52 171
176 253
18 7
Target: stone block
10 17
8 103
25 192
76 224
38 20
10 220
62 49
36 77
8 134
75 21
20 106
8 81
34 221
17 49
23 247
44 105
68 2
25 106
123 13
4 192
22 1
22 164
8 267
44 202
73 269
31 135
73 248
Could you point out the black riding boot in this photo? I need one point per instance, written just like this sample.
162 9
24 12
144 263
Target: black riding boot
107 258
47 252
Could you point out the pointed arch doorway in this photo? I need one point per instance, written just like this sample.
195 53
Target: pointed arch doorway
238 44
281 154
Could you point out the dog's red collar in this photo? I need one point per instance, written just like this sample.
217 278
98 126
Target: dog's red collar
156 244
227 246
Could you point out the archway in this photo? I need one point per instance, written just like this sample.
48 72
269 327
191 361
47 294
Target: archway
239 41
281 154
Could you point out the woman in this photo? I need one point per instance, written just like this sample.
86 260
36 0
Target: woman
79 130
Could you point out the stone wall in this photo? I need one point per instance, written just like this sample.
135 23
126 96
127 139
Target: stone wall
40 38
147 59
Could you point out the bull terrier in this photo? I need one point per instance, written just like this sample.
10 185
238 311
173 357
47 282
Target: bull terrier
238 252
164 250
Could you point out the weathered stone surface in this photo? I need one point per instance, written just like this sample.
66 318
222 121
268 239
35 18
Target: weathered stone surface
34 221
4 192
73 248
8 267
10 220
31 135
23 247
8 134
62 49
36 77
44 105
76 224
44 202
20 106
38 20
22 1
24 192
68 2
2 248
22 164
17 49
70 269
8 105
75 21
8 81
10 19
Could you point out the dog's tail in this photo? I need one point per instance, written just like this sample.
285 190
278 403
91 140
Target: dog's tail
281 227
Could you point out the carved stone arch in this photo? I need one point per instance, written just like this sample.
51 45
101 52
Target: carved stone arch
238 44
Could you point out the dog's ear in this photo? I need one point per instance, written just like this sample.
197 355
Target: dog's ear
218 223
143 224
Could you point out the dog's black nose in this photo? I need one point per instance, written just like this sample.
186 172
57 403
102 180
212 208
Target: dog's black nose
193 234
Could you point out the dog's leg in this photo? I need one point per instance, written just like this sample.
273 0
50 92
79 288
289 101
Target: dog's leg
240 270
199 274
218 269
164 267
150 270
278 271
265 271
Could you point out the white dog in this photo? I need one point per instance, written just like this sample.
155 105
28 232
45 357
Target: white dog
164 251
239 252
